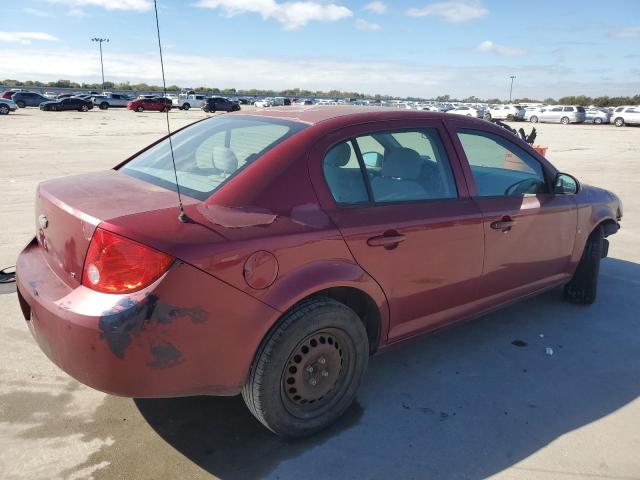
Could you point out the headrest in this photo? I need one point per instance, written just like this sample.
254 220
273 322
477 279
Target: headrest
403 163
224 159
339 155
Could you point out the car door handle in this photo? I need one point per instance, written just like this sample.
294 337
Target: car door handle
504 224
390 240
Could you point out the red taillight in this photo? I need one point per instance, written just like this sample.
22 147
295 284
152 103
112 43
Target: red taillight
115 264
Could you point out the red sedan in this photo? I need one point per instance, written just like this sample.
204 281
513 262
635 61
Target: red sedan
311 238
158 104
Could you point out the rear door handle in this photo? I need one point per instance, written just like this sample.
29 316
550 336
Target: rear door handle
387 240
503 224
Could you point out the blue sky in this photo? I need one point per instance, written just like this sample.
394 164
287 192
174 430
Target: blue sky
408 47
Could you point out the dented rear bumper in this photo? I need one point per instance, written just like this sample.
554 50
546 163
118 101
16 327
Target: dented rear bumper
183 335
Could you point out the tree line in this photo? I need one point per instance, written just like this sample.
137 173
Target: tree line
603 101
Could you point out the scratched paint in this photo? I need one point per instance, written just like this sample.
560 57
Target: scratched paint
128 319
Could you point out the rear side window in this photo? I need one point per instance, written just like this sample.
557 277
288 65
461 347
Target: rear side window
208 153
400 167
344 176
499 167
568 109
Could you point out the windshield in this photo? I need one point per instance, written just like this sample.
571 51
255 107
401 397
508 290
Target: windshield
209 153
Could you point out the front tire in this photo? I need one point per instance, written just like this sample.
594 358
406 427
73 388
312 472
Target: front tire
487 116
140 109
533 119
186 106
510 118
4 109
583 287
21 104
104 106
83 108
308 369
597 121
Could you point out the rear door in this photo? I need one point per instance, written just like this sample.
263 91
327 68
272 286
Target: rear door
396 192
529 231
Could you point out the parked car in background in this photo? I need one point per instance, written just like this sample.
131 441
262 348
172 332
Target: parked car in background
111 100
302 253
7 106
9 93
28 99
50 95
529 111
220 104
185 102
281 102
597 116
68 103
467 111
564 114
65 95
263 103
628 115
506 112
155 104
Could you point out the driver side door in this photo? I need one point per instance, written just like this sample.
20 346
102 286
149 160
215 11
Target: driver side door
529 231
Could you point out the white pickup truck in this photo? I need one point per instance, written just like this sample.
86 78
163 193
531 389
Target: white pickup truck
187 101
110 100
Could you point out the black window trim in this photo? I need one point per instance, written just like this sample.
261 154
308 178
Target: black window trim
363 171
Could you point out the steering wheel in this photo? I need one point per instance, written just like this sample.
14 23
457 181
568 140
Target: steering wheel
522 187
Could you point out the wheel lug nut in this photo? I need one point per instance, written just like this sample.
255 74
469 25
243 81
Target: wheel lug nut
309 369
322 360
325 373
313 381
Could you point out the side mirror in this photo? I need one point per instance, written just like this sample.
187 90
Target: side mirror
372 159
566 184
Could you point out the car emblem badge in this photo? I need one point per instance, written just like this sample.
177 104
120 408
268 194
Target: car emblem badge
43 221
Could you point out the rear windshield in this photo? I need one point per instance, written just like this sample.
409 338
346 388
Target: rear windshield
209 153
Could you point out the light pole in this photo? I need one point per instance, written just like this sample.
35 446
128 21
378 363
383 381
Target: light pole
511 89
100 40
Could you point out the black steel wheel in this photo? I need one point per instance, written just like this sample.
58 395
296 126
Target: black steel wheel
308 369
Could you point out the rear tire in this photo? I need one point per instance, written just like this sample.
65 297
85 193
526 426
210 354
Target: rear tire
564 120
533 119
582 288
21 104
186 106
487 116
4 109
597 121
104 106
83 108
140 109
510 118
308 369
619 122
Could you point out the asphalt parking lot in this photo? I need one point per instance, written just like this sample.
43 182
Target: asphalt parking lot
464 403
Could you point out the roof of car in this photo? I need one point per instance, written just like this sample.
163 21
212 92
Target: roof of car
313 114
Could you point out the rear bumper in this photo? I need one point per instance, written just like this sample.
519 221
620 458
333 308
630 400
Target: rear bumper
187 334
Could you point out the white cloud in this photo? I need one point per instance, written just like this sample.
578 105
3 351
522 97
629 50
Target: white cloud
25 38
77 12
292 15
376 7
36 13
453 11
364 25
137 5
489 46
627 32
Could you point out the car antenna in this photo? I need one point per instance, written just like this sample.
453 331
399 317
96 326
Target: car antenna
182 216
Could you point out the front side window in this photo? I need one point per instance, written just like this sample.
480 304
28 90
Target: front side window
568 109
209 153
499 167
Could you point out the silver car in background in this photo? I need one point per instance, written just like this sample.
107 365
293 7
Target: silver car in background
627 115
564 114
7 106
467 111
597 116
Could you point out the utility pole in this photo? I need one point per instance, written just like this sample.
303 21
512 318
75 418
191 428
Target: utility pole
100 40
511 89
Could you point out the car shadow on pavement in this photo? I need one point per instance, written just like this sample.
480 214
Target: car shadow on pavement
467 402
